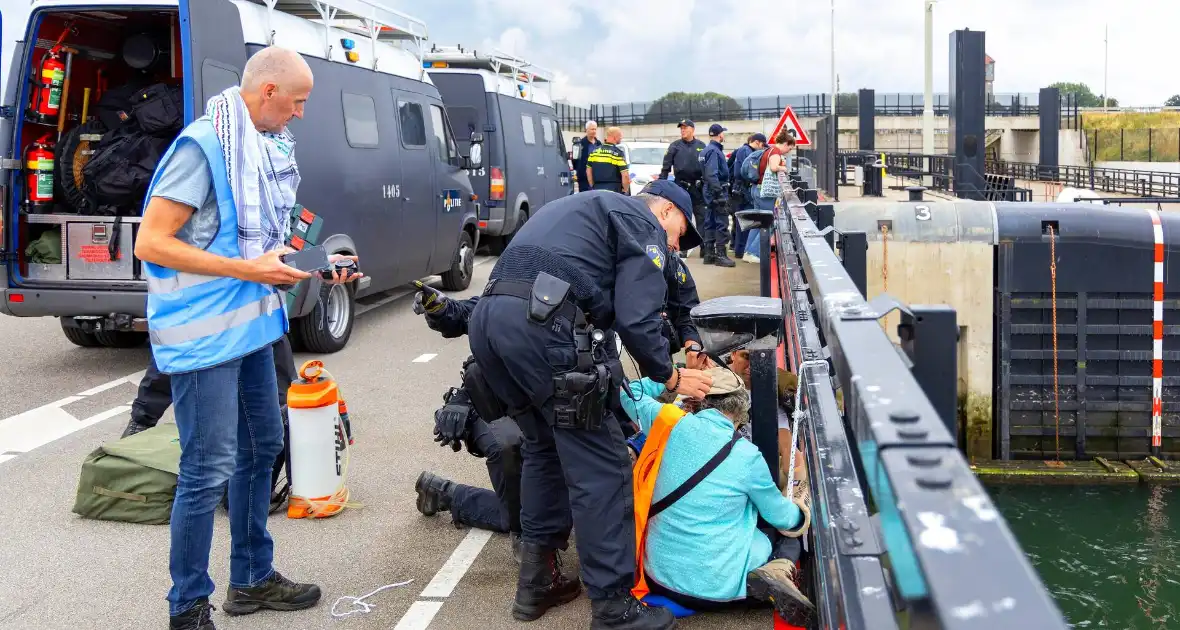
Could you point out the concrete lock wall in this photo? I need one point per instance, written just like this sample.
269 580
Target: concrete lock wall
937 252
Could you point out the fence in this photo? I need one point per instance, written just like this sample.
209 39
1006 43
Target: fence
932 547
806 105
1116 180
1133 145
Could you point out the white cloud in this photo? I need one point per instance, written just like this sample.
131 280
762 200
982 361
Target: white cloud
623 50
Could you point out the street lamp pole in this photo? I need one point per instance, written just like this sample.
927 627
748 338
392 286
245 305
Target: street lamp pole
928 94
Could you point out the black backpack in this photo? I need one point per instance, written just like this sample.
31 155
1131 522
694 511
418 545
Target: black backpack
122 166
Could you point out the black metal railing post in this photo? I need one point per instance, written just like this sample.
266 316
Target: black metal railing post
930 337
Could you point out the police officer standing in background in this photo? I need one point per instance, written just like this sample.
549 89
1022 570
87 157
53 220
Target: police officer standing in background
606 168
683 159
740 189
716 232
582 150
582 268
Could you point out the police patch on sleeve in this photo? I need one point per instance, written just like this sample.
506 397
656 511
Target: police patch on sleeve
656 255
680 275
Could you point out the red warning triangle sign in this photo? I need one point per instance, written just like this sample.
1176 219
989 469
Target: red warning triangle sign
788 117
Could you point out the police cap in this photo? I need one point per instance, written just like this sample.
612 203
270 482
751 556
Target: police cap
758 137
716 129
686 123
679 198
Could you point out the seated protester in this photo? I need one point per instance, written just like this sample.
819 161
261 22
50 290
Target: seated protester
704 551
739 362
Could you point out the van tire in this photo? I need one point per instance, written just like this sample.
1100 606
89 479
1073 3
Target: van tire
120 338
327 335
80 337
497 244
458 277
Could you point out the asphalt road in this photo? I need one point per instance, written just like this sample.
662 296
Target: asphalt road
58 571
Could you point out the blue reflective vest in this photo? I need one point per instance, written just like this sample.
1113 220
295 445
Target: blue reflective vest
197 321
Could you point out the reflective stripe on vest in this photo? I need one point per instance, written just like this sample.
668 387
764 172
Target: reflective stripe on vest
197 321
643 485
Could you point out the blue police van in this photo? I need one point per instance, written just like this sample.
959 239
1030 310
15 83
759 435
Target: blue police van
505 98
98 89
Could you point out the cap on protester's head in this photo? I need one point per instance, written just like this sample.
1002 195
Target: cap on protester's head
679 198
716 129
724 381
686 123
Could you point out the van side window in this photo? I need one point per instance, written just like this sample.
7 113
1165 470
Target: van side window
413 125
530 132
547 131
561 145
442 136
360 120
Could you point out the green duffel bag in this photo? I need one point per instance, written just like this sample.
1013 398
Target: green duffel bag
132 480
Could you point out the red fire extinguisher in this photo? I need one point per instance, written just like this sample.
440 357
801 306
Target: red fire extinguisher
46 99
39 174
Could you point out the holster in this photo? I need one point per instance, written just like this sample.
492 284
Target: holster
580 398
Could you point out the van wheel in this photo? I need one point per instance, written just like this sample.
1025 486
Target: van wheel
329 325
79 337
458 277
121 338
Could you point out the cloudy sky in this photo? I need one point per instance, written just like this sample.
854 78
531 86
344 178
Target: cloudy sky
622 50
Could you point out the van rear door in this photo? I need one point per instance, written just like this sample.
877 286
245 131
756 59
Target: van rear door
216 51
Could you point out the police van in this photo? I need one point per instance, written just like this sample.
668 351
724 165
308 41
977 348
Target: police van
507 99
98 90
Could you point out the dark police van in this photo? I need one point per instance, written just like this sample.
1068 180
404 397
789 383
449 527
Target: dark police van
99 88
525 160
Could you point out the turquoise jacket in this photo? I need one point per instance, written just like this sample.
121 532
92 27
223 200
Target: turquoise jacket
705 543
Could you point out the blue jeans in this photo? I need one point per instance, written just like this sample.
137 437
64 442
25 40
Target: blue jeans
231 431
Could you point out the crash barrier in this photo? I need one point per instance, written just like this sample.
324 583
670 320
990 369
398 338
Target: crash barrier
933 547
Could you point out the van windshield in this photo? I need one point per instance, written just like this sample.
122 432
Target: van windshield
464 122
648 155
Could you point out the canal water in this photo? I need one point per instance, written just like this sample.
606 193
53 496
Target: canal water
1110 555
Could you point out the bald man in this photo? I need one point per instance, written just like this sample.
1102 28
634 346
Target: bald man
211 249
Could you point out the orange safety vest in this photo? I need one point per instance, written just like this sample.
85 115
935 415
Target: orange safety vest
646 470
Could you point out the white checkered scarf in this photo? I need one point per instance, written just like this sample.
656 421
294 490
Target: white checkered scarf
262 173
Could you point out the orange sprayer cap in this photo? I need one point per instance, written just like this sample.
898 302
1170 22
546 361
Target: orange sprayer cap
313 390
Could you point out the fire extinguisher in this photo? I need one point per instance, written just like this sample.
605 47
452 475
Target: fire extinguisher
47 84
39 174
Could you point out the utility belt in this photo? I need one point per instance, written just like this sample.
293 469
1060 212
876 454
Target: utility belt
581 395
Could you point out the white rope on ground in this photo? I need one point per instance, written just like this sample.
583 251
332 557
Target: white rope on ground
797 417
359 605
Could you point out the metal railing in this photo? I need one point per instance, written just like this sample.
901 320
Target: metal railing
1116 180
934 548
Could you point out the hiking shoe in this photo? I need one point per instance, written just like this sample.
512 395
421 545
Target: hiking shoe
276 593
514 540
541 584
624 612
134 427
774 582
199 617
434 494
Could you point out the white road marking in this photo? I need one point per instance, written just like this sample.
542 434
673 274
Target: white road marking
37 427
421 613
423 358
456 566
419 616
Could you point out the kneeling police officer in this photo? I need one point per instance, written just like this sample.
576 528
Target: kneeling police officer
582 268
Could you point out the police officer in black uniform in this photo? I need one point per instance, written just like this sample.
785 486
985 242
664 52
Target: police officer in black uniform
606 168
582 268
683 159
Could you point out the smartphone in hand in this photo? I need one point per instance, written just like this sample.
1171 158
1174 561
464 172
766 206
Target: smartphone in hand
310 260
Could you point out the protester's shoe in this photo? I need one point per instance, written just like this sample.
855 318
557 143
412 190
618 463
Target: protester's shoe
624 612
541 584
276 593
199 617
514 540
434 493
774 582
721 260
134 427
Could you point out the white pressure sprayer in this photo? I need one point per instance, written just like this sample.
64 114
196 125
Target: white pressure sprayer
320 445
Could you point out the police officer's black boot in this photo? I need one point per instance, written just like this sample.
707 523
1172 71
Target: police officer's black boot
721 259
624 612
541 584
708 253
434 493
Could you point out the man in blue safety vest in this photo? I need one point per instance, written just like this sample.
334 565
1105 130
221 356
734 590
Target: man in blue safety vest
211 239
